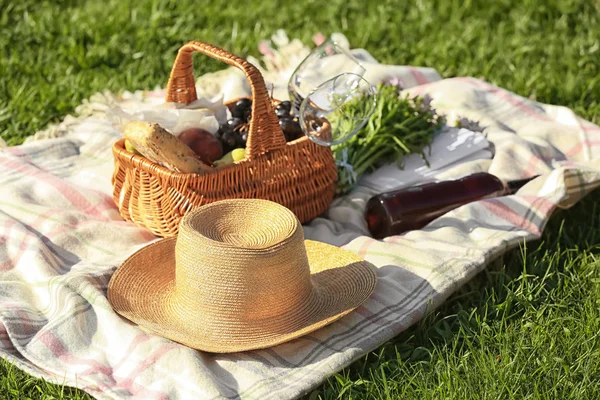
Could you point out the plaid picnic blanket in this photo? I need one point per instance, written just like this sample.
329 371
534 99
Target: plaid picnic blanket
61 238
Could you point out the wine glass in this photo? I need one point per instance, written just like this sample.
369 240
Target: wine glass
337 109
322 64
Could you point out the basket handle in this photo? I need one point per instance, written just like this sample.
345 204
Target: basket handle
264 133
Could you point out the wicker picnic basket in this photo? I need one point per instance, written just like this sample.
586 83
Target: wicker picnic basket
300 174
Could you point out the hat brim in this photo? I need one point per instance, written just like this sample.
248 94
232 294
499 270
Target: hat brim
142 290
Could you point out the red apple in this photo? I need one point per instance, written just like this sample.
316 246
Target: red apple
203 143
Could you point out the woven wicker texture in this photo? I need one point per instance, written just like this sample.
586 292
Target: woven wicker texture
239 276
300 175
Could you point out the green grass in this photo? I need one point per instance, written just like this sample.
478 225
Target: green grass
16 384
528 326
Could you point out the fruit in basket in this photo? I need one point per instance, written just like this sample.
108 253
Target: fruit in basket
234 132
231 157
203 143
291 128
283 109
243 138
161 147
244 103
230 140
232 124
242 109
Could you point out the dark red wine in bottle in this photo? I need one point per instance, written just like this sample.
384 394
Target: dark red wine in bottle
398 211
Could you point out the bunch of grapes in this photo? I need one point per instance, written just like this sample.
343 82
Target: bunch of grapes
233 133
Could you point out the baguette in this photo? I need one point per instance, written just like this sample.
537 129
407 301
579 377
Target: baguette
161 147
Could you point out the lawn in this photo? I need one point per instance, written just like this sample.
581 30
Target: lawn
528 326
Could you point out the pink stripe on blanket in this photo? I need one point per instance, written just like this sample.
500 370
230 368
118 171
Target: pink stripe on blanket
420 78
362 252
516 101
531 167
60 352
77 199
5 343
48 235
28 327
541 205
573 151
142 337
587 127
502 211
14 261
9 264
18 152
129 384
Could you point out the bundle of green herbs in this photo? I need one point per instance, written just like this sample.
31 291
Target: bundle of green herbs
399 126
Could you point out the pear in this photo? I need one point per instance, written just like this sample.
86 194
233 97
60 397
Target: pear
231 157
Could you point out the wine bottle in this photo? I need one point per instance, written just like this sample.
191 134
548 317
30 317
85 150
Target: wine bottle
399 211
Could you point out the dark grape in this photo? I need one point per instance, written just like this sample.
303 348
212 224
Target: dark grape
224 127
248 115
282 112
234 123
229 140
290 128
243 103
239 112
285 105
283 109
284 122
242 138
288 137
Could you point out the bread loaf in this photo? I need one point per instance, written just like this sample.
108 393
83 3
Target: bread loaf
161 147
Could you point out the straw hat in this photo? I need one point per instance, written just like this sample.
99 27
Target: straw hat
239 276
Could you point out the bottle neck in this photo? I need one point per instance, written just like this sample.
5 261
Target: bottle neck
513 186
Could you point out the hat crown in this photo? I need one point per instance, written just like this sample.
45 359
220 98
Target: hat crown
239 265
